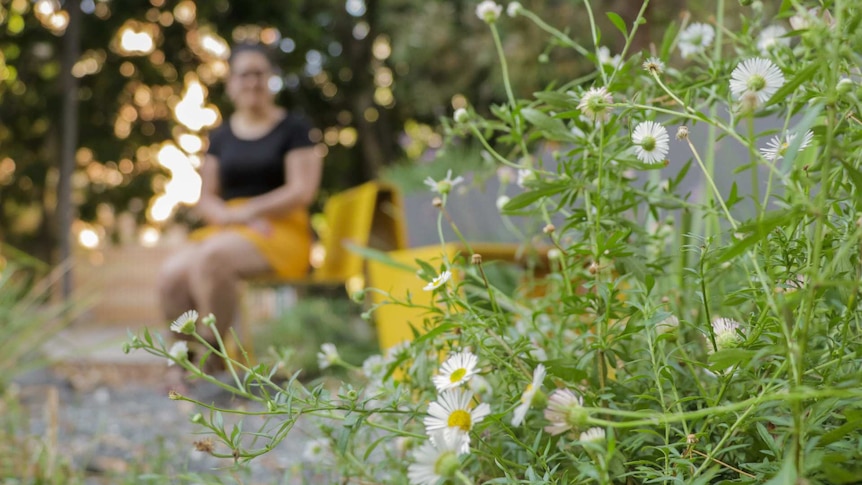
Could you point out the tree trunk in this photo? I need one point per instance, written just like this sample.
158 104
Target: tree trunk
71 53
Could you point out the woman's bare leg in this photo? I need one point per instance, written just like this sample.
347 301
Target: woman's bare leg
175 294
219 264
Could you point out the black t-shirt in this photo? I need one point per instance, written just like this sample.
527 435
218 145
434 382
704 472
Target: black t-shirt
253 167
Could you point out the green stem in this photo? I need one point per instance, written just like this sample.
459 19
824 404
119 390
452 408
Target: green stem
709 179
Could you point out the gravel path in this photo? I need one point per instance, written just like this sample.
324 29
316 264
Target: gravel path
115 424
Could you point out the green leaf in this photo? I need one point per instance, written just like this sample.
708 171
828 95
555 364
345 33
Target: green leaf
790 86
523 200
734 197
556 99
757 230
856 178
727 358
787 475
553 128
619 23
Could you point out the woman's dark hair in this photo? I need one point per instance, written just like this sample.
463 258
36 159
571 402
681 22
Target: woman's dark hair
255 48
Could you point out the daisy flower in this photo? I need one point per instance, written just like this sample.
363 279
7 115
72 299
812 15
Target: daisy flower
437 458
606 59
564 411
525 175
592 435
653 65
528 395
444 186
457 370
438 281
695 38
513 9
594 104
374 367
502 201
756 76
316 451
327 356
726 333
488 11
506 175
771 37
777 146
480 386
452 410
652 142
461 115
179 351
185 324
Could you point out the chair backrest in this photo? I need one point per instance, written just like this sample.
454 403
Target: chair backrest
369 215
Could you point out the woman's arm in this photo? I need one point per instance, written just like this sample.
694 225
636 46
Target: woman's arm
303 169
211 207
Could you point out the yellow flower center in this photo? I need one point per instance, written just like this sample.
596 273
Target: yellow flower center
457 375
648 143
460 419
756 82
526 392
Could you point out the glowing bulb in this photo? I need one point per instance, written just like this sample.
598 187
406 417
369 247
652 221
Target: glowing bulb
136 42
88 238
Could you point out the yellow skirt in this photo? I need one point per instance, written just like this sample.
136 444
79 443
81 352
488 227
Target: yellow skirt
286 248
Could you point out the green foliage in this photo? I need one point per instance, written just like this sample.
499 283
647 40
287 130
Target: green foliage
669 338
29 316
296 334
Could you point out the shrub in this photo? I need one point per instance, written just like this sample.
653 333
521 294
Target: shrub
675 339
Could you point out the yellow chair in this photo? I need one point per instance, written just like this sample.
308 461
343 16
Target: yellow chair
394 321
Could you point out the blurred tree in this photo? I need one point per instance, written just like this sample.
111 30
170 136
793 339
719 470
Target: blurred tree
374 76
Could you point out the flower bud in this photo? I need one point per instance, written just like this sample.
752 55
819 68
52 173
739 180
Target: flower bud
358 296
447 464
461 115
209 320
476 258
197 418
502 201
549 229
682 133
488 11
844 86
437 202
554 254
513 9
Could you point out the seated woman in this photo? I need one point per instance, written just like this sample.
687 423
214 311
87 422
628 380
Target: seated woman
260 174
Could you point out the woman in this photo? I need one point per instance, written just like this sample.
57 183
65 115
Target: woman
259 177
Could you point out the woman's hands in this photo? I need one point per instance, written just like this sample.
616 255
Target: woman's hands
241 216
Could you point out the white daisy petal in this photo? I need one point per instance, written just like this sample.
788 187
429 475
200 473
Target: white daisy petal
457 370
758 77
437 458
695 39
726 333
777 146
594 104
563 411
185 324
452 410
772 37
438 281
529 393
652 142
